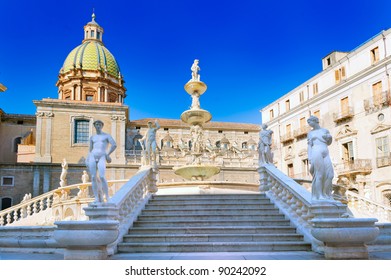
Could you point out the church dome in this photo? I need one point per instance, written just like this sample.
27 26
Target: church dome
90 72
91 55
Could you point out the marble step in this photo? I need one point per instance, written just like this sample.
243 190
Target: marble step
203 211
209 201
213 230
217 222
149 238
210 197
238 205
179 216
130 247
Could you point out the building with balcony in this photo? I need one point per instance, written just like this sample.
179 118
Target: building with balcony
351 97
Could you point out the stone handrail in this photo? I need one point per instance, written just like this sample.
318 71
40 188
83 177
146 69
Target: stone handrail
46 201
295 202
365 207
127 203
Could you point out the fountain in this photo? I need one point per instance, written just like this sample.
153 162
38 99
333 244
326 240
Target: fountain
196 118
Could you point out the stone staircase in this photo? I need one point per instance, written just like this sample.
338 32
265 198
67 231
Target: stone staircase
211 223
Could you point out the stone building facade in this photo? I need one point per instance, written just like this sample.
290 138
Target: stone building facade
351 97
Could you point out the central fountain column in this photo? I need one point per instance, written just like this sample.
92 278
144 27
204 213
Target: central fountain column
196 118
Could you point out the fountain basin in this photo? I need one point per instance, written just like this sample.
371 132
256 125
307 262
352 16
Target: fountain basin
195 86
196 116
197 172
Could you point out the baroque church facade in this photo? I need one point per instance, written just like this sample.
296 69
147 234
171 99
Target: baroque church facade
91 87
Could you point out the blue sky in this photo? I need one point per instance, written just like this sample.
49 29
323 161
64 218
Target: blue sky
251 52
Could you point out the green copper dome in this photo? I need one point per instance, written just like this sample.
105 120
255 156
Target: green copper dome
91 55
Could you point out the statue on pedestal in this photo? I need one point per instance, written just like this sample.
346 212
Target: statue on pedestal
148 143
96 161
321 167
194 71
64 172
85 178
264 146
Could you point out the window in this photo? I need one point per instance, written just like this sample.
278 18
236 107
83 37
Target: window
220 131
377 89
5 203
317 114
382 147
288 129
328 61
17 141
19 122
82 131
92 33
98 35
291 172
287 105
315 88
302 122
246 132
375 55
345 106
165 129
89 97
301 96
340 74
305 167
7 181
271 114
347 152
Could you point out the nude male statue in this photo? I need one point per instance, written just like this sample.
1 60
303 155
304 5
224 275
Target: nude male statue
149 141
96 161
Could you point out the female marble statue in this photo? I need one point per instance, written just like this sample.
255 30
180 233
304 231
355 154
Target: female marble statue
264 146
318 156
64 172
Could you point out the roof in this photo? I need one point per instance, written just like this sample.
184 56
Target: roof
91 55
172 123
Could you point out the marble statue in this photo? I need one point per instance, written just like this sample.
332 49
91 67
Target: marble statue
321 167
264 146
26 197
196 133
195 101
194 71
149 141
96 161
64 172
85 178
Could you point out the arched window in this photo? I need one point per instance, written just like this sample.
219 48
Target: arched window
17 141
5 203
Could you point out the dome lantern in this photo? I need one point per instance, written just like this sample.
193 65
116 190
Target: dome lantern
93 31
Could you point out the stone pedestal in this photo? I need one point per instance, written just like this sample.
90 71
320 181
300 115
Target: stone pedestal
328 209
101 211
86 240
345 238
